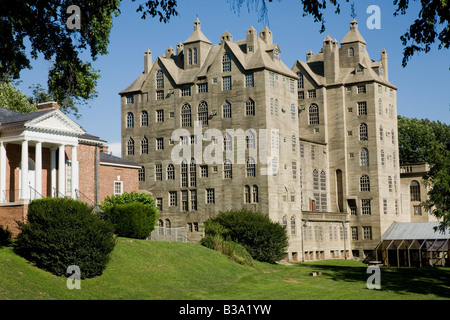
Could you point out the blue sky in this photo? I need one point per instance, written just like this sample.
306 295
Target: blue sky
424 85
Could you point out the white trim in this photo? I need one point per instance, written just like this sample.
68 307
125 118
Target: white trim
120 165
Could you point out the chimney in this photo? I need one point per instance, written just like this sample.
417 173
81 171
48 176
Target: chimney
147 61
104 149
384 63
50 105
179 48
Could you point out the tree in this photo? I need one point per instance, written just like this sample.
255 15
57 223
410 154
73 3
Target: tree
432 24
14 99
427 141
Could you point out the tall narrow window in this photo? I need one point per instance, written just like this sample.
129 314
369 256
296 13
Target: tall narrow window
380 107
194 200
390 183
251 167
293 112
227 143
363 135
414 190
144 146
314 114
364 157
323 181
190 56
255 196
194 56
226 83
316 179
364 183
159 79
130 120
203 113
274 166
294 143
382 157
184 173
184 200
226 62
351 52
362 108
365 207
292 225
130 147
142 174
193 173
300 80
247 196
186 117
144 118
158 172
249 80
381 133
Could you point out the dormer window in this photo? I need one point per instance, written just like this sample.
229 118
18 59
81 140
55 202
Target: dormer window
359 69
276 54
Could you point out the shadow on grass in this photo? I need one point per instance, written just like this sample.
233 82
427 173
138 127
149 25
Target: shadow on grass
425 280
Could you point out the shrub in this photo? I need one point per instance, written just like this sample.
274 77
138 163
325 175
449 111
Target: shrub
262 238
231 249
63 232
132 220
5 236
131 197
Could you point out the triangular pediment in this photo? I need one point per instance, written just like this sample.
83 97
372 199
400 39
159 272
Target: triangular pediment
55 121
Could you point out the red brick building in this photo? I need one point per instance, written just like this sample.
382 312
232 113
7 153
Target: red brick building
46 154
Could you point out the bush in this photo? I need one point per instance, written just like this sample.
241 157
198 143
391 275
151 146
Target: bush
262 238
5 236
120 211
63 232
132 220
231 249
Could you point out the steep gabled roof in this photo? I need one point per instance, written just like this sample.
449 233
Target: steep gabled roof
353 35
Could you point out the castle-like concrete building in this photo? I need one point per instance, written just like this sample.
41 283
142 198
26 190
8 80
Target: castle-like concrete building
229 125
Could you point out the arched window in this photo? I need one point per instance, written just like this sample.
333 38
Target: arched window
167 223
364 157
250 107
364 183
130 120
226 110
363 135
300 80
251 167
144 118
186 117
250 140
227 169
314 114
316 179
159 79
292 225
226 62
247 194
227 143
203 113
170 172
130 147
255 196
351 52
144 146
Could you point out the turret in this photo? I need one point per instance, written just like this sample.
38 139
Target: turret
331 59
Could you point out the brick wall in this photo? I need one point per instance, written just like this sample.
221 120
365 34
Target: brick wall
10 214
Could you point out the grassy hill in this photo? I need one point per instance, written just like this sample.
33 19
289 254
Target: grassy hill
165 270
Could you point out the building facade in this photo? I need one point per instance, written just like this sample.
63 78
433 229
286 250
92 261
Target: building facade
229 125
46 154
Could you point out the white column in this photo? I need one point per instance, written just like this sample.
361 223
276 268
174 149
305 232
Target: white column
25 192
74 171
61 171
2 172
38 169
53 172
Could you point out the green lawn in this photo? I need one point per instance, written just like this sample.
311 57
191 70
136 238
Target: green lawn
165 270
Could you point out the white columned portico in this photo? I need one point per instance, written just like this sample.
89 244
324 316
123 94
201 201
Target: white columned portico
61 171
24 170
2 172
53 171
74 172
38 168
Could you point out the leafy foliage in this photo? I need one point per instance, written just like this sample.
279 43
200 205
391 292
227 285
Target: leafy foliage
14 99
422 140
5 236
132 220
131 197
64 232
262 238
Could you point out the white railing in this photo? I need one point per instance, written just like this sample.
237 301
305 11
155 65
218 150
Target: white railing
168 234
